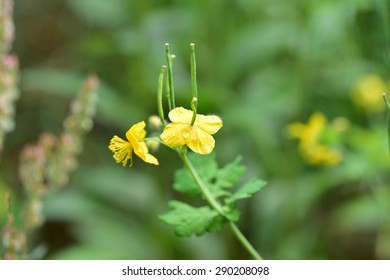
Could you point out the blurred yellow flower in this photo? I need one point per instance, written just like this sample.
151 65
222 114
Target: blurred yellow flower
310 136
367 93
123 150
321 155
309 133
197 136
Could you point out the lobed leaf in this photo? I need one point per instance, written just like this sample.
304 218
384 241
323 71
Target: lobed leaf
230 174
231 212
206 167
188 220
253 186
217 180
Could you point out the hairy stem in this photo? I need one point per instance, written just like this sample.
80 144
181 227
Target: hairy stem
216 206
244 242
203 188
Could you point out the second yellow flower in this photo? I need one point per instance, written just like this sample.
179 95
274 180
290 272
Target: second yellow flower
196 136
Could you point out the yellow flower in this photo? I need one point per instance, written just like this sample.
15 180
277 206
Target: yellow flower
312 134
321 155
123 150
367 93
197 136
309 133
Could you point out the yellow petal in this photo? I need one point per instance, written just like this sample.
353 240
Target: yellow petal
200 142
296 129
317 120
322 155
209 124
180 115
141 150
138 131
122 150
174 134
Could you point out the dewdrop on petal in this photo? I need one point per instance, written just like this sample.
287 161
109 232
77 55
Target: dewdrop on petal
197 136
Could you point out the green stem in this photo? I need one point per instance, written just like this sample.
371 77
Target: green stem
203 188
168 95
193 73
215 204
170 77
194 101
159 95
387 102
244 242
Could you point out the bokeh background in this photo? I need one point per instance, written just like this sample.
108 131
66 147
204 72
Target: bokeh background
262 66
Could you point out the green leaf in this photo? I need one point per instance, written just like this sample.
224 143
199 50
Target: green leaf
184 183
253 186
205 165
230 174
217 224
188 220
231 212
217 180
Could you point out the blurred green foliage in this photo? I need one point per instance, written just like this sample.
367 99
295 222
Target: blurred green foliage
261 66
